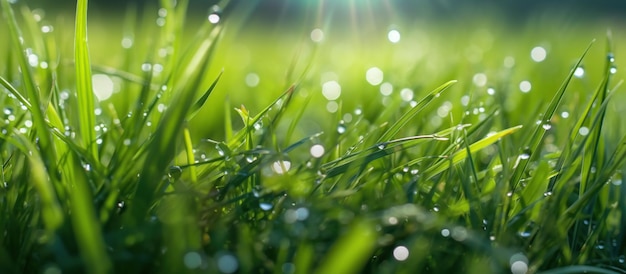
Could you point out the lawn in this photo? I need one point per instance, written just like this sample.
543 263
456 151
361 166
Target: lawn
341 137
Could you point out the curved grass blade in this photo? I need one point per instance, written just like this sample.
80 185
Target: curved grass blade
460 155
406 117
39 121
534 142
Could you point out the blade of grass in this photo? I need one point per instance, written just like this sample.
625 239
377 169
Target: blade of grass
84 86
460 155
406 117
534 141
351 252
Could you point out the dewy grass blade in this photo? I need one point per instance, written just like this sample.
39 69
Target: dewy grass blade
406 117
45 137
460 155
51 211
84 86
534 142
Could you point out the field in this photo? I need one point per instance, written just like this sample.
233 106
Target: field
326 138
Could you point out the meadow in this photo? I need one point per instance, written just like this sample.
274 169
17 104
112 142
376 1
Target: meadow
337 138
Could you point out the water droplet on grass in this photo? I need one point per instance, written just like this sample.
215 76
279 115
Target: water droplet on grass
341 129
538 54
47 29
331 90
281 167
579 72
406 94
613 69
393 36
374 76
266 206
401 253
317 35
546 126
386 89
214 18
317 151
610 57
525 86
584 131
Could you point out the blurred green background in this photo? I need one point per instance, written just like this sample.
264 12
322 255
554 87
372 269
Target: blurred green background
267 45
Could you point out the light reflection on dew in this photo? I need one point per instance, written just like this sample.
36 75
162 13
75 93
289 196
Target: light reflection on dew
479 79
46 29
317 35
564 114
406 94
613 69
281 167
538 54
214 18
341 129
584 131
103 86
332 106
393 36
491 91
127 42
374 76
509 62
317 151
401 253
519 263
266 206
579 72
445 232
525 86
331 90
386 89
252 79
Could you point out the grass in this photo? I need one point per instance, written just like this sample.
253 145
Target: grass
181 170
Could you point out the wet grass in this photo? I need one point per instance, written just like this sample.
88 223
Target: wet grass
223 148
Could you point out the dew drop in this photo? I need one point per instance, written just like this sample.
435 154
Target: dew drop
401 253
613 69
525 86
317 35
341 129
281 167
146 67
266 206
610 57
546 126
393 36
317 151
579 72
374 76
214 18
538 54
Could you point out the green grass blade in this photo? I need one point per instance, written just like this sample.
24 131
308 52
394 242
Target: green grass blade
351 252
406 117
460 155
535 139
84 86
39 121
